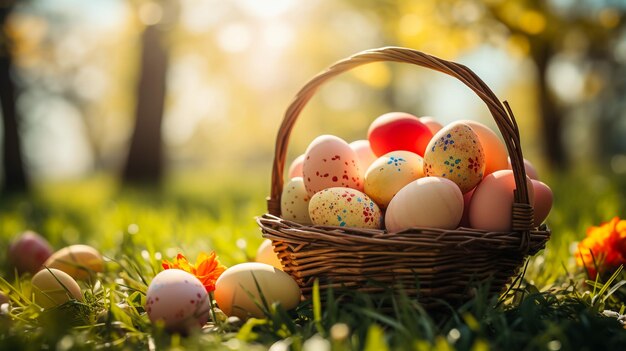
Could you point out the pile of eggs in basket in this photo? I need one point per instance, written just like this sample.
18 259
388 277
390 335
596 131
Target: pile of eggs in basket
410 172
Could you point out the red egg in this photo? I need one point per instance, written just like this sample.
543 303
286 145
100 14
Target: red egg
28 252
398 131
543 201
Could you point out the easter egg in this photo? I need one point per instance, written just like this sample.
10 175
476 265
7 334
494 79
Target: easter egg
431 123
265 254
178 299
344 207
390 173
467 199
294 202
79 261
531 171
432 202
492 202
295 169
364 153
455 153
241 287
398 131
28 252
543 201
330 162
52 287
496 155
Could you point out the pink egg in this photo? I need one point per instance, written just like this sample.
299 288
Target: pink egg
531 171
330 162
426 202
496 155
295 169
543 201
177 299
431 123
364 153
28 252
492 202
398 131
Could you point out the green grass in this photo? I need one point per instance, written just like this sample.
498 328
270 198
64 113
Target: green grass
136 228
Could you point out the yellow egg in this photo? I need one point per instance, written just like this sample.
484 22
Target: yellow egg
294 202
455 153
344 207
79 261
496 155
53 288
239 289
330 162
431 202
265 254
390 173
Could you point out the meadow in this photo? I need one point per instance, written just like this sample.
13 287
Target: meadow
136 227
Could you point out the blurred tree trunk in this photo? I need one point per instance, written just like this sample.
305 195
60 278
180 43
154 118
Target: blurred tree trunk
145 157
13 166
550 113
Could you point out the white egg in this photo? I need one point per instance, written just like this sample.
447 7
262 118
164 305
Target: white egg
237 293
179 300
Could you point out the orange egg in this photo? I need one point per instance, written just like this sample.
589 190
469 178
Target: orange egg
543 201
496 155
330 162
295 169
491 205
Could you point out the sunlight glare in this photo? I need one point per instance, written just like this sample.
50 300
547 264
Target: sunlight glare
266 8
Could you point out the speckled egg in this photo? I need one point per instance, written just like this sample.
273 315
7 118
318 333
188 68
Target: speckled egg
179 300
52 287
330 162
390 173
79 261
344 207
455 153
294 202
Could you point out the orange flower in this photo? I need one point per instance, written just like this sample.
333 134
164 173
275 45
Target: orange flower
604 247
207 268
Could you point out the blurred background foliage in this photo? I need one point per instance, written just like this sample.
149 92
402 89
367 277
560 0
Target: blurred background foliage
143 89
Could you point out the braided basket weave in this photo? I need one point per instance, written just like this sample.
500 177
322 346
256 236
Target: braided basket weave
427 263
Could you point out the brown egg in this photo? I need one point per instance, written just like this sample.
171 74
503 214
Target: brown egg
543 201
79 261
52 287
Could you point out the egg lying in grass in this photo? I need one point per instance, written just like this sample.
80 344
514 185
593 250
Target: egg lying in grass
294 202
390 173
455 153
177 299
79 261
265 254
52 287
330 162
28 252
344 207
431 202
242 289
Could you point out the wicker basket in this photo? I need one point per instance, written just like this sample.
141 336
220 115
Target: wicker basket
428 263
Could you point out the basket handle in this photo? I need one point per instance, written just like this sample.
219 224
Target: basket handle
502 114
